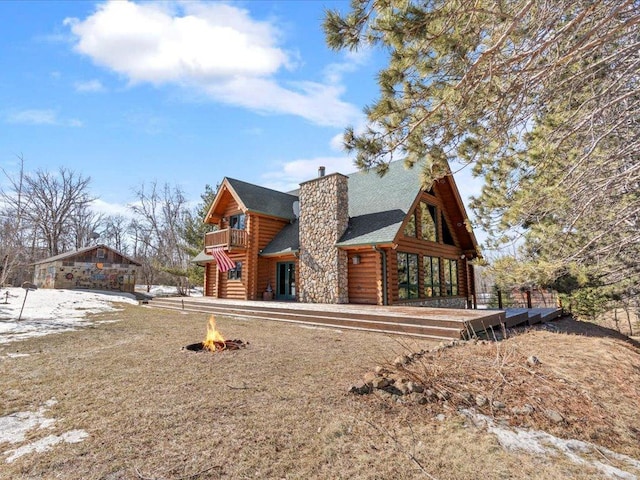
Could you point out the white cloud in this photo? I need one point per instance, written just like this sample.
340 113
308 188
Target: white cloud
291 174
111 209
40 117
212 47
353 59
150 43
337 142
90 86
33 117
74 122
315 102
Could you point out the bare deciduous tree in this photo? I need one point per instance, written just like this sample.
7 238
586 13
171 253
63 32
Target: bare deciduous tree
115 233
13 234
43 214
85 225
53 201
157 230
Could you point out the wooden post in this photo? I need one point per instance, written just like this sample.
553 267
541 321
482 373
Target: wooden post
528 294
499 292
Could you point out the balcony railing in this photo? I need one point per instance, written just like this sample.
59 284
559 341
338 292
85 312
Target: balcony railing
227 238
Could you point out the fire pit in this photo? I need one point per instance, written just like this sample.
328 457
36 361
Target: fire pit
214 341
227 345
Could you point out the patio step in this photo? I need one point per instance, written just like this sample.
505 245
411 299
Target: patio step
393 322
530 316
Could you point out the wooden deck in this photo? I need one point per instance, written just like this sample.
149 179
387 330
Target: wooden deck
436 323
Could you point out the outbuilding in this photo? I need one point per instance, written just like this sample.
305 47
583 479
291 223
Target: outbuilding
97 267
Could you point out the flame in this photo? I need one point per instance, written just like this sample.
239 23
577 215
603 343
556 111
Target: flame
214 340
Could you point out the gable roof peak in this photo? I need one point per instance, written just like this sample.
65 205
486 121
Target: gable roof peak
255 199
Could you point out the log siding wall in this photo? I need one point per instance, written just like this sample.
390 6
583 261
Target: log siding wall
257 273
365 278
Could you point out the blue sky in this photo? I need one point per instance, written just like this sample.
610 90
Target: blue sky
184 93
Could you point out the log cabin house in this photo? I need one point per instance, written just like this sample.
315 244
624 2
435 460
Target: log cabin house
97 267
361 239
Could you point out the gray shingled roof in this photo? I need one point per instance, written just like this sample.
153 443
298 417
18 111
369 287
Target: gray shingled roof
378 205
73 253
264 200
202 257
377 208
286 240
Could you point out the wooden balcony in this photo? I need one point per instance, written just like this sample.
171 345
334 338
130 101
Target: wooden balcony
227 238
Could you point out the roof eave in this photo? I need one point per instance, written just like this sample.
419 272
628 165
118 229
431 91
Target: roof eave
280 253
380 244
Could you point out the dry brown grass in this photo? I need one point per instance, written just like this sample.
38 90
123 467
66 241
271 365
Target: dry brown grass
277 409
623 321
588 374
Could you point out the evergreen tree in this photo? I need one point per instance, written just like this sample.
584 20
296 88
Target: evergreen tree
539 98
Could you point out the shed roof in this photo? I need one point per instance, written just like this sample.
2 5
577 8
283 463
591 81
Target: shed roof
80 251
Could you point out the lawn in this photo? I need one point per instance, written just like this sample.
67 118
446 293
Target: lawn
279 408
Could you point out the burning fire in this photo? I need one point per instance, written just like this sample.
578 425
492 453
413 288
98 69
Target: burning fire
214 340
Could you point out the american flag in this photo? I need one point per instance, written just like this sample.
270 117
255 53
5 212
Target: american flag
222 259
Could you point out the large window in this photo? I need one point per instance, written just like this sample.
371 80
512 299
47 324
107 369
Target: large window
450 276
447 238
410 229
407 275
422 221
431 276
235 273
428 217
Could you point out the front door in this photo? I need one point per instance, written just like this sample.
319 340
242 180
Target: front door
286 278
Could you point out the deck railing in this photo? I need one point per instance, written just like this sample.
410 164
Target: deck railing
229 237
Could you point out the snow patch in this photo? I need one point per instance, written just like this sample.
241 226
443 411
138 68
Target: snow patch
167 290
542 443
14 427
46 443
48 311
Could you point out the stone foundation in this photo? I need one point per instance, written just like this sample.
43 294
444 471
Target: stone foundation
436 302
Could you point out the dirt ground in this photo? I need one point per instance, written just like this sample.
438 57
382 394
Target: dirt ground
280 408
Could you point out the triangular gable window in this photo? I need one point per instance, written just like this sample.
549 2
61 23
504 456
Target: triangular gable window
428 217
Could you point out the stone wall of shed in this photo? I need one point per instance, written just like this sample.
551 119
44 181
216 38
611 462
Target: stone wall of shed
324 216
87 275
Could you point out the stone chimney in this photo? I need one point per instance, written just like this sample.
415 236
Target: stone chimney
324 215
